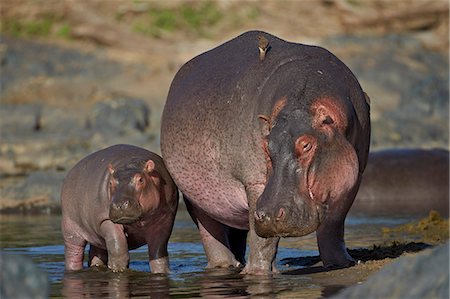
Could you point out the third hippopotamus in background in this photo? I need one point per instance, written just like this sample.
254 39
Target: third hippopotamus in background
116 199
269 138
404 182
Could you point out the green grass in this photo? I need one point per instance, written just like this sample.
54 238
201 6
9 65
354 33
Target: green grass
195 17
45 26
17 27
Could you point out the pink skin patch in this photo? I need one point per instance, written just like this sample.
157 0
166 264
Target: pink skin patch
335 172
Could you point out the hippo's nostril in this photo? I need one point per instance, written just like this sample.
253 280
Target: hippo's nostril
281 214
261 216
121 205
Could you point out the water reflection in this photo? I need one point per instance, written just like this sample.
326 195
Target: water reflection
101 283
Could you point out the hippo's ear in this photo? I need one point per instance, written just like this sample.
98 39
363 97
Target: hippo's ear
265 124
149 166
329 112
110 169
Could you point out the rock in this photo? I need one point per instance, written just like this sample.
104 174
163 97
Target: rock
21 278
39 191
23 59
120 116
425 275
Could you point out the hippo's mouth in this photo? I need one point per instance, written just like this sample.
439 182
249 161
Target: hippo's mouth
297 223
125 220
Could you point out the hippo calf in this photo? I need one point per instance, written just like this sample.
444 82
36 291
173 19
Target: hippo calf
269 138
116 199
409 182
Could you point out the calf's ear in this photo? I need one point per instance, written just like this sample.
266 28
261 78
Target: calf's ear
149 166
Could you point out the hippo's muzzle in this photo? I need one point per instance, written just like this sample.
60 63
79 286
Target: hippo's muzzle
124 210
289 220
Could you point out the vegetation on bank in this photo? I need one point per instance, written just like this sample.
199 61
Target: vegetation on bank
149 18
433 229
47 25
196 19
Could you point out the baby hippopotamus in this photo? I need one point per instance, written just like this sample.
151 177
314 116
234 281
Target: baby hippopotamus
116 199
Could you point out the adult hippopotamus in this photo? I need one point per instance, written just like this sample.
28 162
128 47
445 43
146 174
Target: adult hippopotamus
404 182
116 199
267 137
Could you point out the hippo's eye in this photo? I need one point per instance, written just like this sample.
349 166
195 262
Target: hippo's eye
307 146
304 145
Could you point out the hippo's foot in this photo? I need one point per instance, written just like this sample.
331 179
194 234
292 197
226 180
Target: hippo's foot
344 261
224 264
260 271
97 256
117 266
119 263
96 262
160 265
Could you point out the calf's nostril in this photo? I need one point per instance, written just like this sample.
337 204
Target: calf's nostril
120 205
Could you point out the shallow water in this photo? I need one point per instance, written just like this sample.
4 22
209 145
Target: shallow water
39 237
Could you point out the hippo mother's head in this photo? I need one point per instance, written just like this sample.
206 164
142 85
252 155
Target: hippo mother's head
311 166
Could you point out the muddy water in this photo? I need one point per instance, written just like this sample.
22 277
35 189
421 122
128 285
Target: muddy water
39 237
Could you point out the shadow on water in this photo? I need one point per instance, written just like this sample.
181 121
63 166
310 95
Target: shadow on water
39 237
361 254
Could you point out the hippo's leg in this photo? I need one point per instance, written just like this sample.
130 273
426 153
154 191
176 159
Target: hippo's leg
116 244
238 243
262 250
157 249
330 238
74 245
214 236
97 256
74 255
330 235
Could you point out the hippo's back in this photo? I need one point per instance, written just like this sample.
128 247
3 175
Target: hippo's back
405 182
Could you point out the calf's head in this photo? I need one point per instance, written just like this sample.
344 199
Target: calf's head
311 166
133 191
